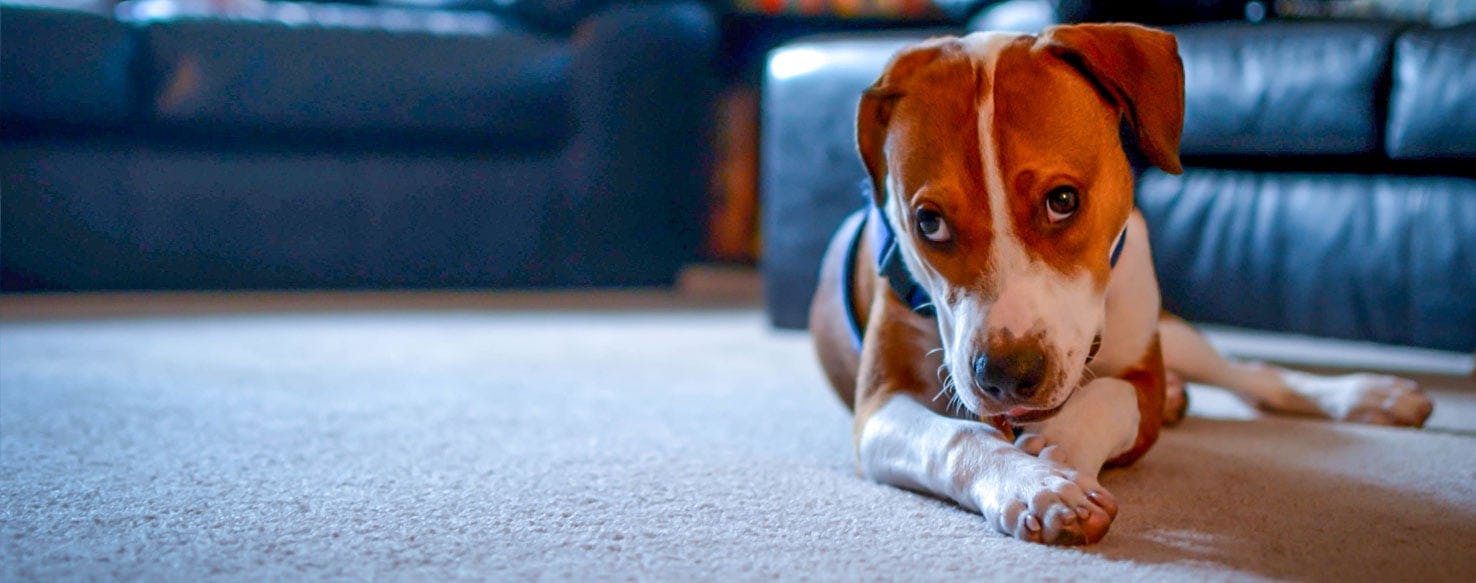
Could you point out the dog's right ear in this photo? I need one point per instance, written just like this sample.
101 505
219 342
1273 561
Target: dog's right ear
874 113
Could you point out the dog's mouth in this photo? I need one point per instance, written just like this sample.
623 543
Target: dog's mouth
1095 348
1022 414
1019 415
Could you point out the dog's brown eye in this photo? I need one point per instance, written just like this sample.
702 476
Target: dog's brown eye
930 224
1061 203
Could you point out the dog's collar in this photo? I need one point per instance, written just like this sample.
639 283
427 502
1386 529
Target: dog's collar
890 266
1122 239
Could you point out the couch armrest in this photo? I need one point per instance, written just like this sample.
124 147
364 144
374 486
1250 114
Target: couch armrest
643 87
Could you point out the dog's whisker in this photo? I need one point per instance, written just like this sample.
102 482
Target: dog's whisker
956 404
946 382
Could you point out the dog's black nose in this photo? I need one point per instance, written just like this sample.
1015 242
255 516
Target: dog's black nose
1014 369
981 365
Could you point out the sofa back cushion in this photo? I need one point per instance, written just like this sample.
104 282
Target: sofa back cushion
1284 88
308 70
1432 112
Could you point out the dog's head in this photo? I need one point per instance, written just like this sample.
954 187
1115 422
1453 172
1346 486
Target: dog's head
998 161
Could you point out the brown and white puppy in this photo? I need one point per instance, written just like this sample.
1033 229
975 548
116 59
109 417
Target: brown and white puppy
1004 198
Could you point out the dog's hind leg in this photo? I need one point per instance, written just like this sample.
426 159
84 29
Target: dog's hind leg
1364 398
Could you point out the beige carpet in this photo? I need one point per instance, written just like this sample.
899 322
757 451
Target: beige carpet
400 437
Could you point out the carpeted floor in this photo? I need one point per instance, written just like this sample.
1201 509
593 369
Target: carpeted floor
389 439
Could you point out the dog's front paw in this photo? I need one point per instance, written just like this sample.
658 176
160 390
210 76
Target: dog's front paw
1040 500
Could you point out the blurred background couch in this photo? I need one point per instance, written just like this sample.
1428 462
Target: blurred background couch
248 144
230 144
245 144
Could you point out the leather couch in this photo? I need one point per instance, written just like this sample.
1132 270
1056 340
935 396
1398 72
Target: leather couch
290 145
1328 187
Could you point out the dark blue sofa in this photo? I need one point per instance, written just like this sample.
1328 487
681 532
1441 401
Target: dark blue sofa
287 145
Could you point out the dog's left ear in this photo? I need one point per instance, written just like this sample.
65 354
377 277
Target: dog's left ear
1137 67
874 113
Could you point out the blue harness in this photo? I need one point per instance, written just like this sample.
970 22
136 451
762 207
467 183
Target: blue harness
889 265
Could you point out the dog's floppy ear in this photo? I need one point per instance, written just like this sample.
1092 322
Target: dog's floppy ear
1139 69
874 113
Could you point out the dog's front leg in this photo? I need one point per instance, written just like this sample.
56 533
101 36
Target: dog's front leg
901 440
1031 498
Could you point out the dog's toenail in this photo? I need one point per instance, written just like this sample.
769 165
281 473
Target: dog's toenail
1031 522
1083 512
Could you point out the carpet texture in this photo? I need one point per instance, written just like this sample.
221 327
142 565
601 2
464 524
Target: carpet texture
646 444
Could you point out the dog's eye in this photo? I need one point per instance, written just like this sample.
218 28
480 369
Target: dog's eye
1061 203
930 223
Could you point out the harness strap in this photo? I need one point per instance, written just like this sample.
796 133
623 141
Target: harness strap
856 224
1122 238
889 264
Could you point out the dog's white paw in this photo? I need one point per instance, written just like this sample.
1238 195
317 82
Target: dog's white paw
1364 398
1041 500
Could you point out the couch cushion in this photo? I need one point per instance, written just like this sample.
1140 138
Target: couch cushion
287 67
1377 258
83 80
136 214
1432 114
1284 88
